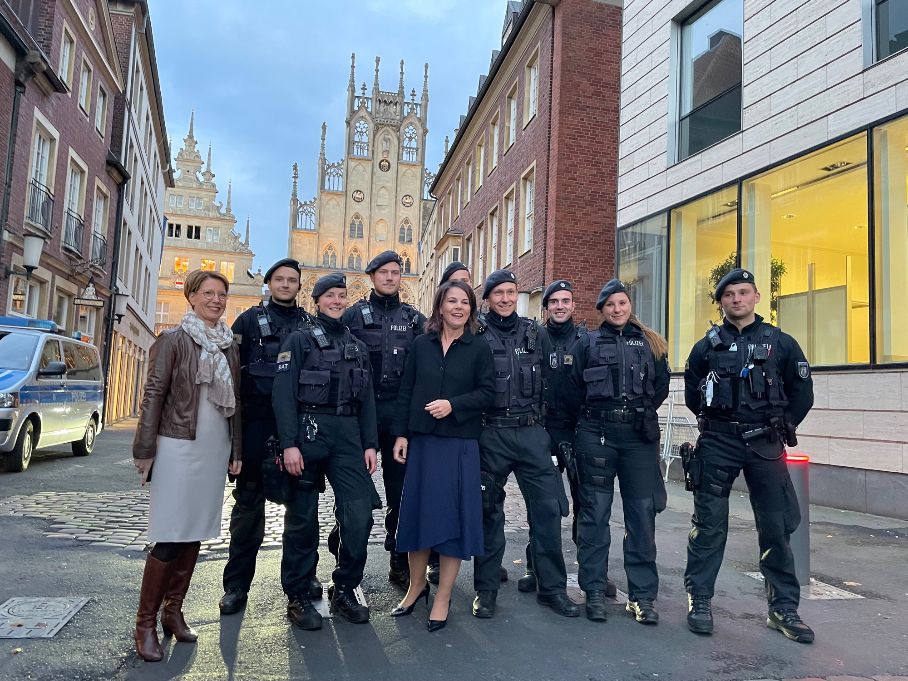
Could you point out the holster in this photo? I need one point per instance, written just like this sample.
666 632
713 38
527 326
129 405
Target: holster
692 464
275 480
568 460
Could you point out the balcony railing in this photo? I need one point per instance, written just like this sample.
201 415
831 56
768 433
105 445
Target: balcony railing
73 227
98 249
40 205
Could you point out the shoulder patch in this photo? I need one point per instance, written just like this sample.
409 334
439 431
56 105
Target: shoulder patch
284 356
804 370
568 360
238 338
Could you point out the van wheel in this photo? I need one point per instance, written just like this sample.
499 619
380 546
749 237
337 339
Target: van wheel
84 446
21 455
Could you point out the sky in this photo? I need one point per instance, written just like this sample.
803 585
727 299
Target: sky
262 76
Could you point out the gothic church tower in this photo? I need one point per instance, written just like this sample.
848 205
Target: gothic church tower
371 200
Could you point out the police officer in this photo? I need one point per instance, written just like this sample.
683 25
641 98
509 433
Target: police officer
325 411
387 327
622 377
259 331
750 384
456 271
514 440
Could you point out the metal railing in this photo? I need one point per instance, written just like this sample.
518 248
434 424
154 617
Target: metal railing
73 227
98 249
40 205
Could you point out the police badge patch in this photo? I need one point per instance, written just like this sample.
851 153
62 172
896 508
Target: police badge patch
283 361
568 360
804 370
238 338
553 360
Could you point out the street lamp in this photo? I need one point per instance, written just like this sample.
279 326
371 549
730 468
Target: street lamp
120 302
32 245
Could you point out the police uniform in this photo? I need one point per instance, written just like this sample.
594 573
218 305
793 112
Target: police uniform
621 384
514 440
259 331
324 404
388 327
750 387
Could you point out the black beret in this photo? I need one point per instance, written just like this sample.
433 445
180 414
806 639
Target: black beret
613 286
383 259
736 276
286 262
498 277
557 285
333 280
455 266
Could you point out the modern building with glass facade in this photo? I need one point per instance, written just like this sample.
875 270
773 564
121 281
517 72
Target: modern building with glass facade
774 134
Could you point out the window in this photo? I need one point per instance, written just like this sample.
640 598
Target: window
85 88
361 138
25 296
354 260
180 265
459 195
455 254
88 317
67 58
99 221
212 235
40 206
479 163
703 237
469 251
356 227
710 76
405 235
329 257
50 352
479 270
509 228
208 265
195 202
531 89
194 232
407 264
410 152
510 121
891 19
468 172
227 269
173 230
493 142
101 112
641 266
527 214
493 239
891 243
162 315
62 306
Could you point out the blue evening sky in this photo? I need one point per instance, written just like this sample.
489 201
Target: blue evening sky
262 76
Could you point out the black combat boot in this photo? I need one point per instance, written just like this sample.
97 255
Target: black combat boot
527 583
484 604
610 589
699 614
343 601
643 611
560 603
233 600
502 574
303 614
790 624
595 606
316 590
399 572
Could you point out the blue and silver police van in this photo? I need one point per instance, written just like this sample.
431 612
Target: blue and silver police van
51 391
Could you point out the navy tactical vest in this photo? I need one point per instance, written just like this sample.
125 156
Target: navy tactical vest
333 376
518 369
619 367
267 338
389 336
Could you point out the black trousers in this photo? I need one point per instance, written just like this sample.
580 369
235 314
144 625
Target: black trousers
336 453
776 515
247 519
392 473
526 452
603 452
560 435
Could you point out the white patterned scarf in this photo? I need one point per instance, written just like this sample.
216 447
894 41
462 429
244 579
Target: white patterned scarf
213 367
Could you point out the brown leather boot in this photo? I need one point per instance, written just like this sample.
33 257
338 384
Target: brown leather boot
172 621
154 583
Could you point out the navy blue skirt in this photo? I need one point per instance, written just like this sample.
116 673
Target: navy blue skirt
441 504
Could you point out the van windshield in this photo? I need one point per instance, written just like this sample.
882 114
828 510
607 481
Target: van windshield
16 350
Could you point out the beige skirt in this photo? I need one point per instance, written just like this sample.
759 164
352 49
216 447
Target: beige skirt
188 479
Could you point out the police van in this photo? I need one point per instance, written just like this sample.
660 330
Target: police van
51 391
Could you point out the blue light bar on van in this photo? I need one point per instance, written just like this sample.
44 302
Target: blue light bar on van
41 324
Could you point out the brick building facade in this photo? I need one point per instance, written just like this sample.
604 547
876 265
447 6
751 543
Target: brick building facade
529 181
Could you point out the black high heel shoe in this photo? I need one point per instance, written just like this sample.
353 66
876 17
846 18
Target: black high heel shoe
401 611
435 625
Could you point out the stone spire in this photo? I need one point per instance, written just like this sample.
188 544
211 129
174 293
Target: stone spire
400 85
229 207
294 194
293 220
192 125
352 71
246 240
424 103
447 142
188 159
208 176
375 86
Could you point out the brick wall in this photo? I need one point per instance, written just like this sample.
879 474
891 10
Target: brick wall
7 90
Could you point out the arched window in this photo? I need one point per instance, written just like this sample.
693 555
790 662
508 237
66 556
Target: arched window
356 227
361 138
407 266
354 260
405 235
410 151
329 257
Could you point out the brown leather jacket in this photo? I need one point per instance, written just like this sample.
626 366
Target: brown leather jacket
171 401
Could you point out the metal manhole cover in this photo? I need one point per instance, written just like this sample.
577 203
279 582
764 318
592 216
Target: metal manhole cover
37 617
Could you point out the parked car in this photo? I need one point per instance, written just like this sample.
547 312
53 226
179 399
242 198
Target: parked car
51 391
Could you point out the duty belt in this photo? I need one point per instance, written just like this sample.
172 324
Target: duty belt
610 415
343 410
557 422
515 421
728 427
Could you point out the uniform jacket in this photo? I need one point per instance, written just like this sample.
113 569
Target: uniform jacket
465 376
557 363
516 344
170 404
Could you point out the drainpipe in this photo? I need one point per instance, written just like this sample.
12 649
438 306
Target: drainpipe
114 272
21 79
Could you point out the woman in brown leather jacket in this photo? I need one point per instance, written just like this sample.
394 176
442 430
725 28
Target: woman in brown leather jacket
189 431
